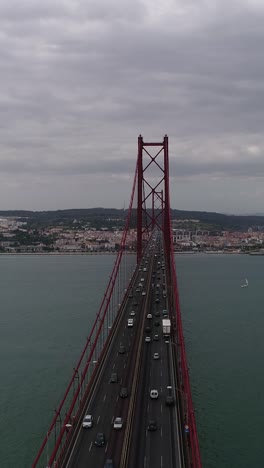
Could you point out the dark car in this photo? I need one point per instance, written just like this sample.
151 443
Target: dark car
122 349
109 463
157 314
152 425
169 400
114 378
123 392
157 301
147 329
156 337
100 439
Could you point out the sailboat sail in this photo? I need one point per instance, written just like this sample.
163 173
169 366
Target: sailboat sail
245 285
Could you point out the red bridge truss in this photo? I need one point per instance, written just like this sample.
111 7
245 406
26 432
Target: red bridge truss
149 210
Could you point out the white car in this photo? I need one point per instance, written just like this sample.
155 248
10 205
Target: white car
130 322
118 423
144 293
132 313
149 316
156 356
88 421
147 339
154 394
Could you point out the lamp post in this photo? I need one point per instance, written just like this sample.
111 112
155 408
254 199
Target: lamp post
68 426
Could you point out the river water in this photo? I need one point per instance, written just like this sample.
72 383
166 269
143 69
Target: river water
48 304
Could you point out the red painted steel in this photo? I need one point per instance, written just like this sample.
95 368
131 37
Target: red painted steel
140 198
158 215
168 239
101 315
149 191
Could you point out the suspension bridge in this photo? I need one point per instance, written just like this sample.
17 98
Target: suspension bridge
128 403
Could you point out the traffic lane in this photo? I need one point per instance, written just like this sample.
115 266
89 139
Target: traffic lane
103 418
108 412
107 416
157 450
132 331
137 445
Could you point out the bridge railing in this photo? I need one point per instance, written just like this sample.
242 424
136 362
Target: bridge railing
62 428
189 429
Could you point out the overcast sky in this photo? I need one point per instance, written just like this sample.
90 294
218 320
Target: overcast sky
81 79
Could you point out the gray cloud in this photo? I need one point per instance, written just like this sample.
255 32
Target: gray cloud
81 79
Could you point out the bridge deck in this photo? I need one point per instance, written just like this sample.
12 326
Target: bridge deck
137 370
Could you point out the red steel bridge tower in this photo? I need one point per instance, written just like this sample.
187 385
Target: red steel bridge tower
149 209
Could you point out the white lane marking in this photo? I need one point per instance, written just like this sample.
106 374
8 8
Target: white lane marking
161 408
117 398
98 419
148 408
112 420
104 397
160 431
161 372
124 365
106 447
145 460
161 461
90 448
114 366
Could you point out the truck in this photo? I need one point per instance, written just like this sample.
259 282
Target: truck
166 326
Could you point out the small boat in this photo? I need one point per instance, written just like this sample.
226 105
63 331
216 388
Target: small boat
245 285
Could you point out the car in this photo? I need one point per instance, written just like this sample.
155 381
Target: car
156 356
140 285
154 394
157 301
130 295
144 293
152 425
109 463
114 378
147 329
157 314
87 421
122 349
118 423
156 338
169 401
132 313
147 339
144 269
100 439
135 303
165 313
130 322
123 392
149 316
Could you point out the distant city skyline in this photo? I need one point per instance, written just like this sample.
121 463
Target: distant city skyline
81 80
